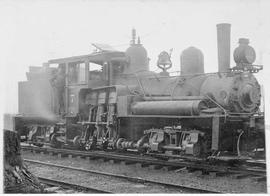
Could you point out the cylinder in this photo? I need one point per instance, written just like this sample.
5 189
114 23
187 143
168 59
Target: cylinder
223 44
183 108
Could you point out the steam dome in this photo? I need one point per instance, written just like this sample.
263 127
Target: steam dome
192 61
138 59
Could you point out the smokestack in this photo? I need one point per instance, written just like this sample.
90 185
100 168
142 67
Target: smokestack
223 43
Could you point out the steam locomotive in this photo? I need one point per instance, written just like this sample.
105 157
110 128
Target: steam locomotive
113 101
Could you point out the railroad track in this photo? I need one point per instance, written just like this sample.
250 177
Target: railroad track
68 185
256 170
139 180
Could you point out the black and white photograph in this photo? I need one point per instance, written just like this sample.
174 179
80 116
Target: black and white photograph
135 96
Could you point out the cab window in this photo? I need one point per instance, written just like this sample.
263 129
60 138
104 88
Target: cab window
81 73
77 73
95 71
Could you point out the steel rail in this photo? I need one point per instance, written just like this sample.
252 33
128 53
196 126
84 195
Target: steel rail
68 185
129 178
151 161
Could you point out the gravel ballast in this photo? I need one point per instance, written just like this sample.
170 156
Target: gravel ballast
225 184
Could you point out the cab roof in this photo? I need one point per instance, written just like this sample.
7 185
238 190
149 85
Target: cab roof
96 57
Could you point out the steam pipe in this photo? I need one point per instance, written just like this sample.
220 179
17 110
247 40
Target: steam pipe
183 108
223 44
168 98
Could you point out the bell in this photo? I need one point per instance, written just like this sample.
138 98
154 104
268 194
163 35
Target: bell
164 59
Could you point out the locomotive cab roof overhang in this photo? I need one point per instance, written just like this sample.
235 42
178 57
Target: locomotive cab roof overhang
96 57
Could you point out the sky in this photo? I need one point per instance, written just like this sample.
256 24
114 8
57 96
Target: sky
34 31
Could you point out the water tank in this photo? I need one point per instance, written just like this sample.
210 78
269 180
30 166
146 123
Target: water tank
138 59
192 61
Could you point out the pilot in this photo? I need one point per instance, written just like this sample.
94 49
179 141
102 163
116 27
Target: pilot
58 82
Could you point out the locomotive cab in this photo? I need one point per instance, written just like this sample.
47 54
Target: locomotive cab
88 71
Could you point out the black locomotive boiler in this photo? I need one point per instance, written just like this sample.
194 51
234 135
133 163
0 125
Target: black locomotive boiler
111 100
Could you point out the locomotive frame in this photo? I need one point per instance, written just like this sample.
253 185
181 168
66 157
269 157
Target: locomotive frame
125 106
